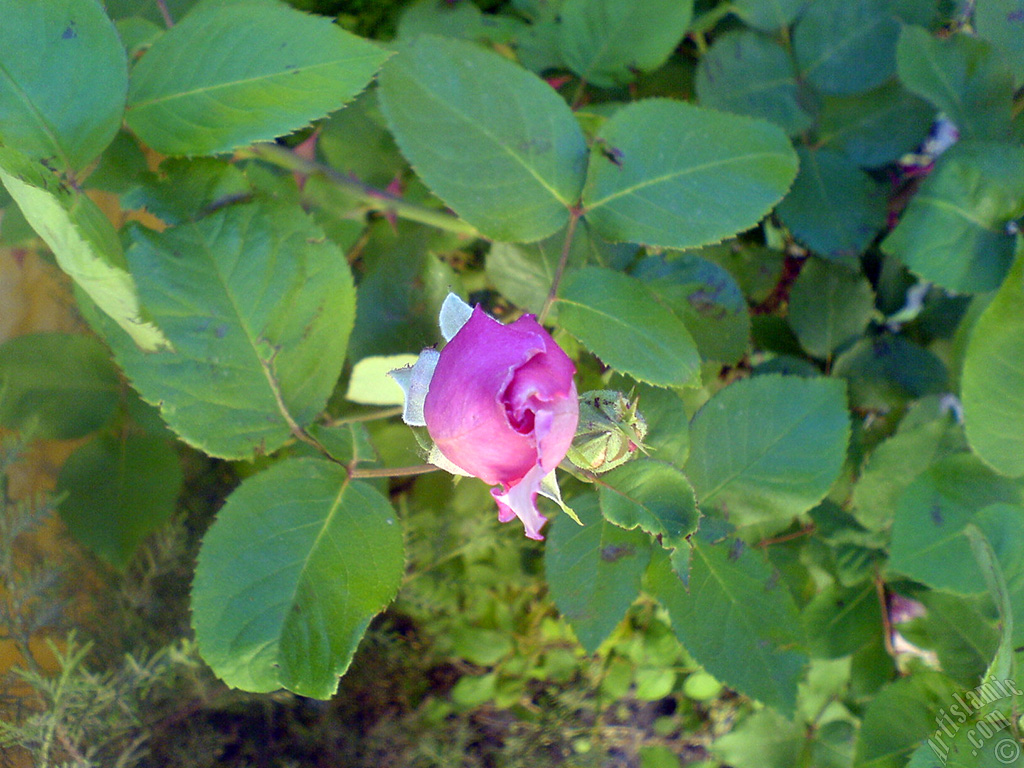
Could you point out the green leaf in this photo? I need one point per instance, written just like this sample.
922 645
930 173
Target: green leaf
1002 529
289 575
846 46
736 619
764 739
493 141
841 620
750 74
886 371
117 491
992 385
828 306
259 307
63 80
954 232
609 42
768 448
965 77
1001 22
650 495
834 208
660 169
56 385
184 189
767 15
84 243
618 319
705 298
875 127
594 571
230 74
928 543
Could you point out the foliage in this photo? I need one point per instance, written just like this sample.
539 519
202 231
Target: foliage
744 216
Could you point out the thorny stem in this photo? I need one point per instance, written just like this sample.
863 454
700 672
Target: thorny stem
574 216
418 469
376 199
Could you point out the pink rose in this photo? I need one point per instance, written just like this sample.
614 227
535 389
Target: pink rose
500 404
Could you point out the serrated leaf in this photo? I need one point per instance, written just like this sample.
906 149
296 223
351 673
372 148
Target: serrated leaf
289 575
610 42
992 384
594 571
954 232
705 298
84 243
660 169
965 77
63 80
618 319
493 141
736 619
56 385
768 448
230 74
750 74
259 307
846 46
928 542
116 491
834 208
829 305
650 495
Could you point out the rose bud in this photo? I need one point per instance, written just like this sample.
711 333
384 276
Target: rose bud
500 404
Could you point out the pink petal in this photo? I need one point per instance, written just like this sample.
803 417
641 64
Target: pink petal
520 500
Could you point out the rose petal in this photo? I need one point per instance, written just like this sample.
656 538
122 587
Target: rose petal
520 500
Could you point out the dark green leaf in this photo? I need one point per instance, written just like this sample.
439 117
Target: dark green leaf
652 496
594 571
63 80
841 620
992 386
259 307
828 306
116 491
750 74
886 371
183 189
846 46
767 15
291 572
834 208
609 42
736 619
230 74
954 232
618 319
56 385
1001 22
661 172
768 448
493 141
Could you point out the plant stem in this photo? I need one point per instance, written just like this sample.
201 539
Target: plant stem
162 5
563 259
418 469
387 413
376 199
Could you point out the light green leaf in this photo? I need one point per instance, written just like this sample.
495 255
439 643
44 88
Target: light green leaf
370 383
594 571
840 620
846 46
296 564
992 386
618 319
768 448
829 305
954 232
764 739
259 307
493 141
963 76
705 298
1001 22
230 74
660 171
736 619
928 542
750 74
609 42
1001 525
63 80
117 491
834 208
650 495
84 243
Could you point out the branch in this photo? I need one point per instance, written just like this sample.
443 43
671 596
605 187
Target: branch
574 217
